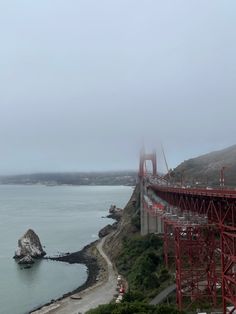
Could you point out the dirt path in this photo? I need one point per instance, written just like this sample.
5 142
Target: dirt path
101 293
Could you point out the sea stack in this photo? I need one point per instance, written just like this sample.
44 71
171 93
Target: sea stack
29 247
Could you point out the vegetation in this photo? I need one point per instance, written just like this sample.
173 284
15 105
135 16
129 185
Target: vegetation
141 262
135 220
133 308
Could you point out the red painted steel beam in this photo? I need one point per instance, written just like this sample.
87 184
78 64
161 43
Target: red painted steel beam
226 194
220 208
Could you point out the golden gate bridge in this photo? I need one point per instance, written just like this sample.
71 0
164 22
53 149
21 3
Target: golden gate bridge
199 233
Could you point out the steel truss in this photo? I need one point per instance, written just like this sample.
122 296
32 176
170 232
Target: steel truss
196 278
228 257
194 248
219 207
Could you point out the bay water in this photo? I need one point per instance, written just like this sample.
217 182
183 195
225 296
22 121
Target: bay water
66 218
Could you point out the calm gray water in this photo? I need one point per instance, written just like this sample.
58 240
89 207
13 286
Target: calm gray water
66 218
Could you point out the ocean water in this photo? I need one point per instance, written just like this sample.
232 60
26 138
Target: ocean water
66 218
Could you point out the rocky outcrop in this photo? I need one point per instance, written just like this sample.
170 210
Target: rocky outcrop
116 216
107 229
29 247
115 213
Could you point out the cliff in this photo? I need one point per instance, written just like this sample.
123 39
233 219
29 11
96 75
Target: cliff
125 227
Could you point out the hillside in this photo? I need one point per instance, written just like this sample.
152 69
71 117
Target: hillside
126 226
205 170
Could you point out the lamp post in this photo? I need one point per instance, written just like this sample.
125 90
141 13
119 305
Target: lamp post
182 178
222 176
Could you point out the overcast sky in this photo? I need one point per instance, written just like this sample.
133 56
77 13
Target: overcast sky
83 84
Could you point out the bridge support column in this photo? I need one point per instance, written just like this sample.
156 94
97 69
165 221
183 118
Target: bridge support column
150 223
228 250
196 279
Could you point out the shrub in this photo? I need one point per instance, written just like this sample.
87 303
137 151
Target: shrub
134 308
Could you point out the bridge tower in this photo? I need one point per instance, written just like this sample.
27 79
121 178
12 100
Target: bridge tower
149 223
147 157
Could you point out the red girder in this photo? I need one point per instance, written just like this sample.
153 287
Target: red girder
194 248
220 207
221 193
216 204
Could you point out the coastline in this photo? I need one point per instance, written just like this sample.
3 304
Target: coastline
96 270
101 284
100 293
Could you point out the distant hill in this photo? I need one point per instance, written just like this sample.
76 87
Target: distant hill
74 178
205 170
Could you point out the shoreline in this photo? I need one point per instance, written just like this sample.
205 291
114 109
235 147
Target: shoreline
102 292
96 269
101 284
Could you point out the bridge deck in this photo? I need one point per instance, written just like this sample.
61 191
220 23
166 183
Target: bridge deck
219 193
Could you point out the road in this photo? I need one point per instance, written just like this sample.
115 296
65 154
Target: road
90 298
163 294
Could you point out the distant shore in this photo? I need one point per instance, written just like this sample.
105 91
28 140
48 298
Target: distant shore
113 178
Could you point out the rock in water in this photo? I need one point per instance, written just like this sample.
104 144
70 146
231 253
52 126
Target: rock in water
29 245
26 260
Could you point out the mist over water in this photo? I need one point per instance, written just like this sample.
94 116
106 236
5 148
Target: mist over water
66 218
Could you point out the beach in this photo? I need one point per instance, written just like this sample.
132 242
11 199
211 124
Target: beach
99 288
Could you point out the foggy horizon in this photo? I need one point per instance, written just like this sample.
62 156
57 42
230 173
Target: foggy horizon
70 172
85 84
94 171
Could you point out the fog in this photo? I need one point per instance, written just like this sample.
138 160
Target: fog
84 84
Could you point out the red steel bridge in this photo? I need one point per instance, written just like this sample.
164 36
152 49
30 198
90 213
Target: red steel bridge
199 231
